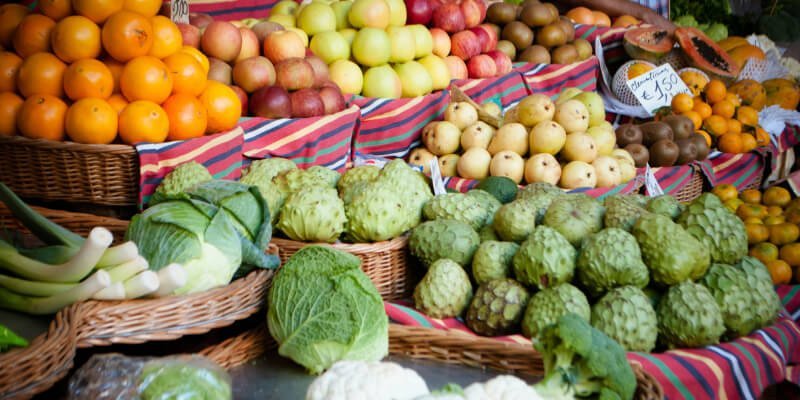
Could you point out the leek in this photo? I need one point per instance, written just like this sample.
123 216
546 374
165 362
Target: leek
172 277
49 305
115 291
141 285
125 271
34 288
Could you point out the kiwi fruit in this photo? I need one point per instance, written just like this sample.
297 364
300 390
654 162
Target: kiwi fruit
553 10
568 28
682 127
627 134
664 153
687 151
518 33
535 55
501 13
535 15
701 145
551 36
566 54
655 131
584 48
640 154
528 2
508 48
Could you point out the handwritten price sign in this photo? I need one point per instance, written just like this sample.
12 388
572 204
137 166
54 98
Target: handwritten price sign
179 11
655 89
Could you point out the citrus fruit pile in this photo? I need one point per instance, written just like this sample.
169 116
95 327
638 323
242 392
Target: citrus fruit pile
771 219
728 123
93 71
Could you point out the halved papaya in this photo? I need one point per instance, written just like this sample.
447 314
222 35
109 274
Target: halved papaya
705 54
649 44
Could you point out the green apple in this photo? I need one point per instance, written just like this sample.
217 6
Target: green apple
315 18
397 12
437 69
287 20
423 41
347 75
341 9
372 47
382 82
402 44
349 34
414 78
330 46
369 14
284 7
300 32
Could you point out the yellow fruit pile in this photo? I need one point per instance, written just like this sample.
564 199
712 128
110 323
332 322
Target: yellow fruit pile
95 70
720 116
771 219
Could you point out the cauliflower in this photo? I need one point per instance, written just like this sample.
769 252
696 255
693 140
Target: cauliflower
793 66
503 387
361 380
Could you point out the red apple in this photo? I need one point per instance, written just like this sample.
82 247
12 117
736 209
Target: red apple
501 61
457 67
481 66
438 3
271 102
253 73
320 70
465 45
472 13
222 40
251 47
294 74
280 45
332 99
264 28
307 103
190 34
220 71
242 98
200 20
449 18
419 12
483 37
489 30
441 42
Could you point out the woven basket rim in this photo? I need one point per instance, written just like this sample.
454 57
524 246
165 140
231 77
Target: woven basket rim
357 248
68 146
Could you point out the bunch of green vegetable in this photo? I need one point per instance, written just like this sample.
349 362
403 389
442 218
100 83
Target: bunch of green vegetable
9 339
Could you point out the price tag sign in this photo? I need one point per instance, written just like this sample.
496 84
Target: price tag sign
436 177
656 88
179 11
651 183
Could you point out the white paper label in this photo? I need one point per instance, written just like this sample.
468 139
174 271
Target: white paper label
656 88
179 11
436 177
365 159
651 183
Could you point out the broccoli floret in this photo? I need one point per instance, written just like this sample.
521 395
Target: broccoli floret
581 361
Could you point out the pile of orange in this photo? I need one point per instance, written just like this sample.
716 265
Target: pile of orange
721 117
585 16
771 219
95 71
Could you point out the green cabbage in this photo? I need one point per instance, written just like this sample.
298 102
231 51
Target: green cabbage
323 309
176 380
193 234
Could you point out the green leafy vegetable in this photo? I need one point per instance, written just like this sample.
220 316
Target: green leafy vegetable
9 339
323 308
183 381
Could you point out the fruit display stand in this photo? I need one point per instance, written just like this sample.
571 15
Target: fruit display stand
742 368
685 182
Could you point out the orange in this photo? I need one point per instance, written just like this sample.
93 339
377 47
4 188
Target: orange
784 233
638 69
734 204
746 211
748 142
774 211
702 108
731 143
75 38
55 9
715 125
146 78
117 102
792 216
42 117
753 221
715 91
167 38
581 15
9 66
96 10
697 120
41 73
756 233
88 78
780 271
774 220
751 196
601 19
762 137
725 192
764 252
91 121
187 74
682 102
116 68
33 35
199 56
148 8
223 106
734 99
791 254
724 109
734 126
777 196
127 35
624 21
187 117
143 121
10 104
706 136
10 16
747 115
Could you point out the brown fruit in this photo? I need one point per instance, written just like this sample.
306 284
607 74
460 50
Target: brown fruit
584 48
567 27
566 54
640 154
535 55
551 36
655 131
627 134
682 127
701 145
535 15
664 153
518 33
687 151
501 13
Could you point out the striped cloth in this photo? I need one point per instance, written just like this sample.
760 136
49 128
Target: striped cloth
633 186
325 140
673 179
233 10
741 170
551 79
740 369
220 153
505 90
790 297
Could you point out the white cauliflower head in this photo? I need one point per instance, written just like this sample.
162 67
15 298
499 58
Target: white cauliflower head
361 380
503 387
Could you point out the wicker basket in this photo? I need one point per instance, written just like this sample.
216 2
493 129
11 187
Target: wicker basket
31 370
691 190
386 263
79 173
237 350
